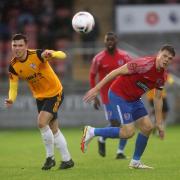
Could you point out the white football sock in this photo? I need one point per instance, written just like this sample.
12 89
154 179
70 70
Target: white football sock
48 140
61 145
101 139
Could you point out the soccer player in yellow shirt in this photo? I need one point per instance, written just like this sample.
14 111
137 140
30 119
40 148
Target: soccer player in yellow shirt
33 67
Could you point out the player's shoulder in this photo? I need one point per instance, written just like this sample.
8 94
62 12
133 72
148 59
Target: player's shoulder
149 58
32 51
13 61
36 53
146 59
122 52
100 55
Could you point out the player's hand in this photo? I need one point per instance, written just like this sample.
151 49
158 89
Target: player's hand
97 103
160 129
8 103
90 95
47 54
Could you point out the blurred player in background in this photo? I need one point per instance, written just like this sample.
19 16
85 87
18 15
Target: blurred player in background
133 80
165 108
102 64
33 66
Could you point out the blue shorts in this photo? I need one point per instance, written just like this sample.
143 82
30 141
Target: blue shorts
124 111
109 112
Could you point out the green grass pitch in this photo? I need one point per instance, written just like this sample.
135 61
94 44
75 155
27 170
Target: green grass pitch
22 155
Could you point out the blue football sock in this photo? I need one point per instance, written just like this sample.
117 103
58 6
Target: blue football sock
104 138
122 144
108 132
140 146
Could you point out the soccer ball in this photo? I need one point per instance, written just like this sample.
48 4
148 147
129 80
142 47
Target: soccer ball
83 22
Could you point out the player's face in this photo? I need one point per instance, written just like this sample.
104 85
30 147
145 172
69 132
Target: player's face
164 58
19 49
110 42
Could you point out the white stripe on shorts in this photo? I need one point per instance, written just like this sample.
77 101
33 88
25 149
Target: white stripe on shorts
105 112
120 114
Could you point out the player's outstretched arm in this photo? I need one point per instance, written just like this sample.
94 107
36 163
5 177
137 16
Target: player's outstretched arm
13 87
92 93
158 103
51 54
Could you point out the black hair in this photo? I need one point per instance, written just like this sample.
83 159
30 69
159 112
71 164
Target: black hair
19 37
168 48
111 33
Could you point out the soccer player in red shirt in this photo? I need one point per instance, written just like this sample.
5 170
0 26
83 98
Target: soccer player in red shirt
102 64
133 80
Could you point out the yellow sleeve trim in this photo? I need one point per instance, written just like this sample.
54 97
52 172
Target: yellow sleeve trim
13 87
59 55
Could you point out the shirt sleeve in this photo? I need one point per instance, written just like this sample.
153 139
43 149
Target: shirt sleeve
39 52
11 70
13 83
13 76
139 66
13 88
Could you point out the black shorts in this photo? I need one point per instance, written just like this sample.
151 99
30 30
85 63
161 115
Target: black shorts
165 107
51 104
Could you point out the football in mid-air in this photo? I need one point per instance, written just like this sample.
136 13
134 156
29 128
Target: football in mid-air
83 22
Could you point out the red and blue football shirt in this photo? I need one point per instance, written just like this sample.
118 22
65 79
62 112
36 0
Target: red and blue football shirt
102 64
143 76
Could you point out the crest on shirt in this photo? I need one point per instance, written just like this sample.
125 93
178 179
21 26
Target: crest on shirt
127 116
32 65
120 62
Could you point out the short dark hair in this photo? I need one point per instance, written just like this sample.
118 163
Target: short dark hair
19 37
111 33
169 48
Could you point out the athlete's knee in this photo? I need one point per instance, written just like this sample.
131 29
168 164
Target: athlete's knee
127 132
41 122
147 128
114 123
54 126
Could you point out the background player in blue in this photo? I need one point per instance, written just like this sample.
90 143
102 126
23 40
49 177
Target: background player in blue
102 64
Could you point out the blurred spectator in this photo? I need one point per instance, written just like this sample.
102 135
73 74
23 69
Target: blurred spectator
33 7
42 21
61 24
89 41
172 1
5 55
45 35
122 1
31 31
145 1
64 3
10 18
61 67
